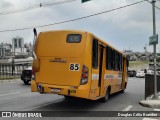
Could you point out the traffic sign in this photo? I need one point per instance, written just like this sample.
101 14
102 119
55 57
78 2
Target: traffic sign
153 40
85 1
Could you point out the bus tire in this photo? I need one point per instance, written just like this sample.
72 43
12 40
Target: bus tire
105 98
122 91
67 97
26 82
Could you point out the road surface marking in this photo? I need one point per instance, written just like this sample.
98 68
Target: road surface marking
127 108
56 101
10 94
156 109
149 119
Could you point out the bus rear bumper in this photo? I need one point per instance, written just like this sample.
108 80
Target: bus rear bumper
80 91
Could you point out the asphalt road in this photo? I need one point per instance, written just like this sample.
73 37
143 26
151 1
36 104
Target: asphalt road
17 97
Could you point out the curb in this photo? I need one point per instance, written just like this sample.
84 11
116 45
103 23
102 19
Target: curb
150 103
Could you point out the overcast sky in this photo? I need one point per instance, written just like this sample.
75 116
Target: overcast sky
127 28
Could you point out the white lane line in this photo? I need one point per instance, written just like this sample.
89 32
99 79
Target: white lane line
43 105
156 109
10 94
127 108
149 119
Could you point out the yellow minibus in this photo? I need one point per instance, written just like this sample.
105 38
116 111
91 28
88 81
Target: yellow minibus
77 64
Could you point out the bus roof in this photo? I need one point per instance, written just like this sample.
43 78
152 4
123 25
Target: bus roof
107 44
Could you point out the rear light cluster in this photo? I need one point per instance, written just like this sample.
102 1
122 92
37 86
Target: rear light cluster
33 74
84 76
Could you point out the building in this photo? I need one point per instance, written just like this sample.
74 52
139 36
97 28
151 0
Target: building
5 49
18 46
17 49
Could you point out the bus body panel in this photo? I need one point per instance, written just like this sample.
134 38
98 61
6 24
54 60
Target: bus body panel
57 73
56 57
54 44
81 91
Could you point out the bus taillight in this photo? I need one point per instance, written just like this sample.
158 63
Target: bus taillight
84 76
84 70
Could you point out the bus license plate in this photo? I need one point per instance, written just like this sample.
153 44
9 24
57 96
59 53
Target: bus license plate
55 90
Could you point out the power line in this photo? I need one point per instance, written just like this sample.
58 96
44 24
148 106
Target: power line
157 7
151 3
45 4
76 19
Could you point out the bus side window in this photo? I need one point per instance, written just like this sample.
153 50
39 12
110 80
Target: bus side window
120 63
116 61
108 58
95 54
113 59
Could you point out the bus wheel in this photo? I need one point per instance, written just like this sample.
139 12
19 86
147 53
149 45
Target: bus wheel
26 82
105 98
67 97
122 91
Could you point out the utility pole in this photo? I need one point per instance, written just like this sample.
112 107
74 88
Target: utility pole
154 47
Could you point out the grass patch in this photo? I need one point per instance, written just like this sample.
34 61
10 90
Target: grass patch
137 63
9 78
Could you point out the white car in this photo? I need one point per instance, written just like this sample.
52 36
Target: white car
140 74
150 72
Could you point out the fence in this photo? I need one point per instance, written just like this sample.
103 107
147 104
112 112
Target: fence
149 84
12 70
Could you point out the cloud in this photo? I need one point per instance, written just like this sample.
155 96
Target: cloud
5 4
125 28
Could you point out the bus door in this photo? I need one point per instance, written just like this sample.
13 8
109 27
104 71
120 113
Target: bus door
97 63
100 59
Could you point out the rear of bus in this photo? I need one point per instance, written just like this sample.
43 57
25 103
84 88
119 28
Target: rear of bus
62 66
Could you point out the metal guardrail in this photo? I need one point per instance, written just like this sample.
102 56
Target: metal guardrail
149 85
12 70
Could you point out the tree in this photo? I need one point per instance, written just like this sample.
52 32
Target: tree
158 59
85 1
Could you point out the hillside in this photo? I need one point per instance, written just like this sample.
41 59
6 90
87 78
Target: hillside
138 65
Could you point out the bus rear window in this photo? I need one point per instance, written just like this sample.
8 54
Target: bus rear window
74 38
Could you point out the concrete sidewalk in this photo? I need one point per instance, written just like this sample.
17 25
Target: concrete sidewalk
10 80
150 102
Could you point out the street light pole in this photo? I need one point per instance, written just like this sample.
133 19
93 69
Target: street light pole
154 47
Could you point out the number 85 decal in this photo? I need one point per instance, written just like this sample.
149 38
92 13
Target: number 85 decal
74 67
